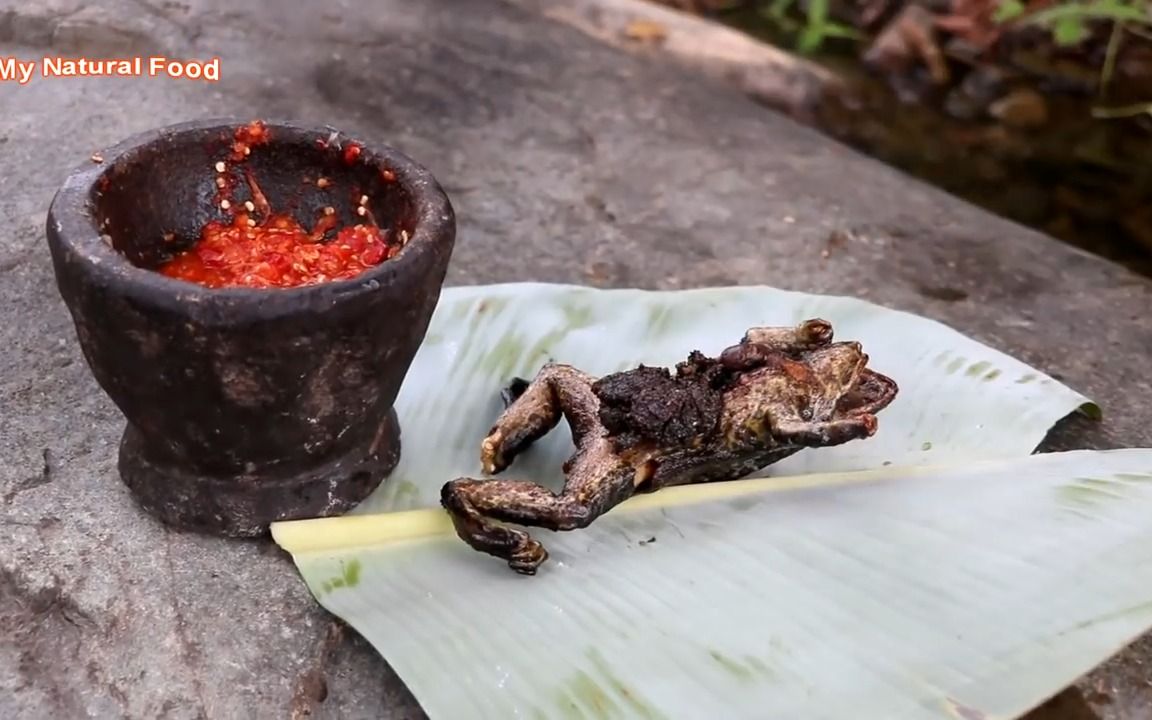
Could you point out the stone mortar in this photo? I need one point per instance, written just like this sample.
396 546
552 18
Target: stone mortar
246 406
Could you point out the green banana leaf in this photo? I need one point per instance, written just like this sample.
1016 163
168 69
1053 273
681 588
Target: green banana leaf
958 399
937 569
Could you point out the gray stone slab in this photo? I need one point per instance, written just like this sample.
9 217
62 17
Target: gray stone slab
567 161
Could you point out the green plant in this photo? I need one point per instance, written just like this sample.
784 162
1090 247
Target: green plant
1069 21
816 26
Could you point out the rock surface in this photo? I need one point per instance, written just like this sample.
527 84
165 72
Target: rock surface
595 166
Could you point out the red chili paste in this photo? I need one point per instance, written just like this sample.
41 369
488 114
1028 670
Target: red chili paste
351 153
246 137
278 253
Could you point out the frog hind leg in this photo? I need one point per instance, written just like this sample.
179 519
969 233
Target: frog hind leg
597 482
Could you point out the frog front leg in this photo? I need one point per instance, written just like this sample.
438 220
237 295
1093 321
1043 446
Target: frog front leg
808 335
826 433
535 408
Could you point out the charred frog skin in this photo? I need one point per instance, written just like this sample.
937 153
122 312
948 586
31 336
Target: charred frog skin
776 392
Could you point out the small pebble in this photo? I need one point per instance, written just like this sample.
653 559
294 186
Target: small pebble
1021 108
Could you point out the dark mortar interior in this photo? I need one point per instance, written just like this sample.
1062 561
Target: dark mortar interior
168 189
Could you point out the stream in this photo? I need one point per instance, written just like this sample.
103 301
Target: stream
1017 137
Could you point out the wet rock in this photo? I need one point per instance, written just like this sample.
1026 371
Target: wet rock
963 51
982 86
910 38
961 106
1022 108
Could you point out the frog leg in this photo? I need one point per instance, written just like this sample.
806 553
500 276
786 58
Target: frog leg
808 335
598 480
536 408
825 434
763 346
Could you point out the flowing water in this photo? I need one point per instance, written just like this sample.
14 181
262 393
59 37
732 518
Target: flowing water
1045 161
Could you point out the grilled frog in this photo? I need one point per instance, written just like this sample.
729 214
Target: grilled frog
777 391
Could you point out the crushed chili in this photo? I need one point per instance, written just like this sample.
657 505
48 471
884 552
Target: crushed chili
246 137
351 153
278 253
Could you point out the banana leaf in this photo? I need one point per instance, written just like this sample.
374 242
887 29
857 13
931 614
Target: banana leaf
937 569
958 400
